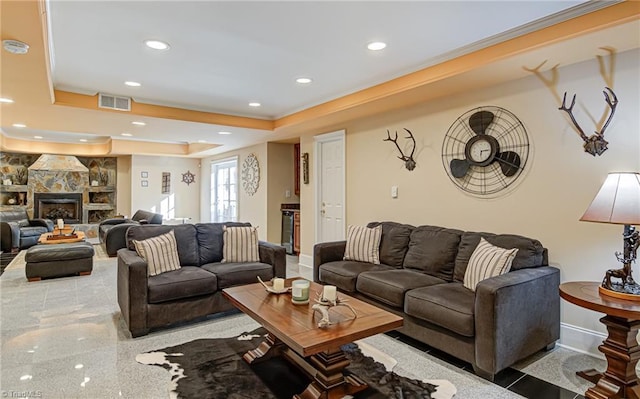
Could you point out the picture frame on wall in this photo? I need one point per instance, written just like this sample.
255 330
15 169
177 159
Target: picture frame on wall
166 183
144 175
144 183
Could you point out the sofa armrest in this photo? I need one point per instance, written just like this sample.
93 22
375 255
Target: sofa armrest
132 291
42 222
326 252
116 238
9 236
275 255
516 314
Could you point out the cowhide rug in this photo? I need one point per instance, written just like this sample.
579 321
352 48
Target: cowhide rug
214 368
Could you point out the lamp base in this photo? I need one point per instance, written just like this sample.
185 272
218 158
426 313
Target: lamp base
629 292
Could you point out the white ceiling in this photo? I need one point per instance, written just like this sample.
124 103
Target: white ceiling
225 54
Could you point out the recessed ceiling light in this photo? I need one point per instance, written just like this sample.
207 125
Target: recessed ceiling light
79 366
303 80
5 100
37 137
224 132
254 104
20 125
126 134
375 46
132 84
138 123
156 44
83 140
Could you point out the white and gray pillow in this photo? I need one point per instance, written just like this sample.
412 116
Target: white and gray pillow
487 261
240 244
160 253
363 244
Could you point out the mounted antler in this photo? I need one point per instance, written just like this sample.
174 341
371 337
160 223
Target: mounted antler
594 144
409 162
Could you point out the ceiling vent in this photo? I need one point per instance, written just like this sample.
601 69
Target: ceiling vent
114 102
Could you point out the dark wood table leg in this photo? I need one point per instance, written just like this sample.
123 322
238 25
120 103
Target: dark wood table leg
622 352
267 349
330 382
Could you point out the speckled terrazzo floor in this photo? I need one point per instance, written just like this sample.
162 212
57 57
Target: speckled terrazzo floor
64 338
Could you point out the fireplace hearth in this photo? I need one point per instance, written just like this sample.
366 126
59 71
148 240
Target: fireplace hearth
65 206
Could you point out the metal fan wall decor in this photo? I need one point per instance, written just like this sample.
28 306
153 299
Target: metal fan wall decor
485 150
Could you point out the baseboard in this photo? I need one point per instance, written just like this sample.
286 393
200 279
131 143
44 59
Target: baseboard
581 340
306 261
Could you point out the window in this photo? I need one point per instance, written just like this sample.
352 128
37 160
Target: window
224 190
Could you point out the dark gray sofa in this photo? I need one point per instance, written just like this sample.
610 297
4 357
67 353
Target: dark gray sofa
17 231
193 291
112 232
508 318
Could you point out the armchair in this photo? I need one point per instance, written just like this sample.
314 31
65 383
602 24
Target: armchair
112 232
17 231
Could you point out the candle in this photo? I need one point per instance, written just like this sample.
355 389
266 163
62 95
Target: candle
300 291
278 284
329 293
60 224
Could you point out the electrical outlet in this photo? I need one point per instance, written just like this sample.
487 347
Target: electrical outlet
394 191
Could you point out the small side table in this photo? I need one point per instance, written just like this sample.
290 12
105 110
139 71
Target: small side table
621 347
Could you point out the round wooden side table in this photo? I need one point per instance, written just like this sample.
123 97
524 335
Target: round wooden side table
621 347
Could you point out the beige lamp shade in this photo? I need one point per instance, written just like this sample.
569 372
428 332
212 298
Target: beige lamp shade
618 200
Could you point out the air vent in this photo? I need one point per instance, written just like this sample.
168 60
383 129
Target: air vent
114 102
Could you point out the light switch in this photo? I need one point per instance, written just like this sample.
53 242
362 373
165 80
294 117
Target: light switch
287 193
394 191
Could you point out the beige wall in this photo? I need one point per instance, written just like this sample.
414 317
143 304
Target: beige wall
558 185
280 179
186 197
123 192
252 208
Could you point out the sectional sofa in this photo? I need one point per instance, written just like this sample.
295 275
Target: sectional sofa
420 277
194 290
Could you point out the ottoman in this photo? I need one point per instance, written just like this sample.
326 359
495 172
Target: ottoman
54 260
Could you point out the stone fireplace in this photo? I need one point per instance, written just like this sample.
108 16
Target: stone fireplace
65 206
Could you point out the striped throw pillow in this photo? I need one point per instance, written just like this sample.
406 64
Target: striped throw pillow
487 261
160 253
363 244
240 244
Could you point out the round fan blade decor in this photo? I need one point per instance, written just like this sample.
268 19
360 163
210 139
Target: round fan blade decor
485 150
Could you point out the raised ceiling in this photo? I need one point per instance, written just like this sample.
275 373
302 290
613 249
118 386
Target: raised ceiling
225 54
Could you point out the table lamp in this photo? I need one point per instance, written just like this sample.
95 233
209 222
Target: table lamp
618 202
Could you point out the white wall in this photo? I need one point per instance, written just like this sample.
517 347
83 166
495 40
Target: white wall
252 208
186 197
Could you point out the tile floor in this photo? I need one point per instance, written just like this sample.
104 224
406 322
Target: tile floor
63 338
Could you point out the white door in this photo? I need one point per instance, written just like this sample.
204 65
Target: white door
331 191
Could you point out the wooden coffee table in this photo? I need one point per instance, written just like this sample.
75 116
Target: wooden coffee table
294 334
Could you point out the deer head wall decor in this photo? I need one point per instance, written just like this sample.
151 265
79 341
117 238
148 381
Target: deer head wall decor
594 144
409 162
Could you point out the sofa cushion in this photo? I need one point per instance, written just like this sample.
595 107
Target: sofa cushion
240 244
363 244
186 282
433 250
394 242
530 251
448 305
210 240
231 274
160 253
389 286
32 231
344 273
185 234
487 261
